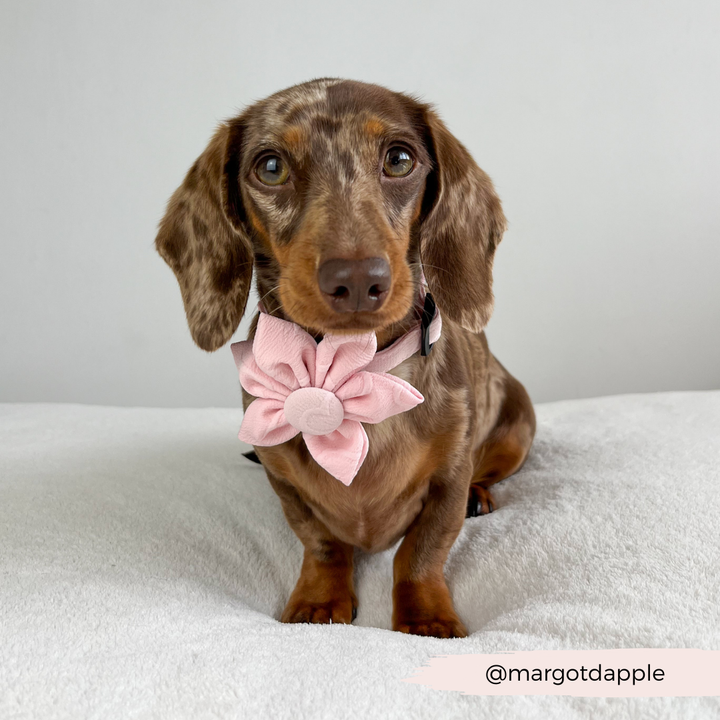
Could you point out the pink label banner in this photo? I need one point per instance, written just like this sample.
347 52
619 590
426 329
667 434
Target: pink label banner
580 673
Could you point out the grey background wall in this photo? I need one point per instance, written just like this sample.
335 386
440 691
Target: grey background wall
598 122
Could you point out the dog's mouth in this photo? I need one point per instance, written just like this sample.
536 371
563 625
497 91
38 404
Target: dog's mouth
353 323
346 323
348 295
338 312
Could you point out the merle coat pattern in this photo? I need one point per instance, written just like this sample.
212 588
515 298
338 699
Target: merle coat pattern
425 468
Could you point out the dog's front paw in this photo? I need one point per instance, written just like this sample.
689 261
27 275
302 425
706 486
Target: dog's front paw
426 609
332 610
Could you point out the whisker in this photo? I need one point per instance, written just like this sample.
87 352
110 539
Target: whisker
424 265
277 287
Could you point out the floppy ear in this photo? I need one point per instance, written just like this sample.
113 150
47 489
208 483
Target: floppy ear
462 224
203 239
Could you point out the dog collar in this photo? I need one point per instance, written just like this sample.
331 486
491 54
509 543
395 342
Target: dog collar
326 390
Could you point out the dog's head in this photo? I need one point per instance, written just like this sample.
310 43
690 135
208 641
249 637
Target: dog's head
336 191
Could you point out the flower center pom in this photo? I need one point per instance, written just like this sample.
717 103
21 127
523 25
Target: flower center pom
314 411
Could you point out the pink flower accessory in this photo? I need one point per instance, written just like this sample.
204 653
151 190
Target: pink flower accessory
324 390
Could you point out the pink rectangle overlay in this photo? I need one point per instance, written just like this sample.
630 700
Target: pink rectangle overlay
636 672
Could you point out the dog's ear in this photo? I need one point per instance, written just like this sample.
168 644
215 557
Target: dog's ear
203 238
462 224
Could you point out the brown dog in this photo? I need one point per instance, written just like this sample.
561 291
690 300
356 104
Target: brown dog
339 194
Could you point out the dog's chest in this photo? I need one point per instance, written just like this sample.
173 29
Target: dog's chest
386 494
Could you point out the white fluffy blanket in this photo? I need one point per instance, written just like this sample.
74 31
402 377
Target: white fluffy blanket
144 563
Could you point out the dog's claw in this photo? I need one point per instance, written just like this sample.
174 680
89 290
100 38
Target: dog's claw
479 502
472 505
354 614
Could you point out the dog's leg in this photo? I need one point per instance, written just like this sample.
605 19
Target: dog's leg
496 459
421 600
506 447
324 591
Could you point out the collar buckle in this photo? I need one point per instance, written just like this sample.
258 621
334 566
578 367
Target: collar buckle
428 313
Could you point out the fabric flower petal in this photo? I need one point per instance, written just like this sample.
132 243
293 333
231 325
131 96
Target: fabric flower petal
264 424
283 362
342 451
258 383
339 356
284 351
374 397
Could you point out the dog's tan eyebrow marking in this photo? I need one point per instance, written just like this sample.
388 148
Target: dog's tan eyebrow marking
293 137
375 126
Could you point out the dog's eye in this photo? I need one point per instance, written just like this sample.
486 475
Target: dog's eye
271 170
398 162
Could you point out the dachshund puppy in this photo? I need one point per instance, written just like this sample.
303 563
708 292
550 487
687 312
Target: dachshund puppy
341 194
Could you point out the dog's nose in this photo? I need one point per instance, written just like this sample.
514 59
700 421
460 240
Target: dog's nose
354 285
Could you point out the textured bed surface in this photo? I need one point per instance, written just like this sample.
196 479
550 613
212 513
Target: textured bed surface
145 562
